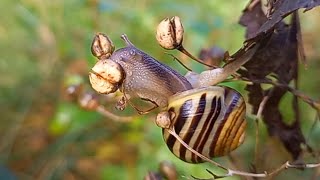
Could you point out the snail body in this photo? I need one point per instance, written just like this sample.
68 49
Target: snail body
143 76
147 78
209 120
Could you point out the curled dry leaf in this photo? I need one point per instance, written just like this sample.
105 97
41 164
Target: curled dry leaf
278 56
280 9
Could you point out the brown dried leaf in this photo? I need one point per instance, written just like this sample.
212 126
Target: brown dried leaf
278 55
212 55
252 18
282 8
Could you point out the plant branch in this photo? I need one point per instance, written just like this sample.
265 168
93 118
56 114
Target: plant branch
313 103
124 119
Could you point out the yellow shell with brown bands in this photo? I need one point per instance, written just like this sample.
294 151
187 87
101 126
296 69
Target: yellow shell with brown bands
210 120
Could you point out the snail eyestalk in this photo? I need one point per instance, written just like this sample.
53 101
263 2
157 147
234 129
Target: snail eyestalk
126 40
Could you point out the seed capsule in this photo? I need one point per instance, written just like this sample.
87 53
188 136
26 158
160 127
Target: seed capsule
153 176
168 170
102 47
106 76
170 33
101 85
109 70
88 101
210 120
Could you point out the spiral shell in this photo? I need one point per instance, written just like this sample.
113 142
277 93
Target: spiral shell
210 120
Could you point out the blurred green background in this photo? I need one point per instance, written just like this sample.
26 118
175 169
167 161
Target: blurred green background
45 47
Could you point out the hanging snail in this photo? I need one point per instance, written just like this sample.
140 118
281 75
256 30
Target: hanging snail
198 120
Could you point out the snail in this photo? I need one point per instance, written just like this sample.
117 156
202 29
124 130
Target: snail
137 74
207 120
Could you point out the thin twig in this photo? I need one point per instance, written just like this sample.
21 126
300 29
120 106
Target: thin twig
235 165
313 103
232 172
173 133
175 58
184 51
313 126
124 119
259 117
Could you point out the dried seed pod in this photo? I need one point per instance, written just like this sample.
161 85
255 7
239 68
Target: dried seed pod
152 176
101 85
163 120
121 104
74 91
168 170
109 70
170 33
106 76
88 101
102 47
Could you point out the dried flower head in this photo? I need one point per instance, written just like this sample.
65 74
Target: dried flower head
169 170
102 47
106 76
100 85
88 101
170 33
163 120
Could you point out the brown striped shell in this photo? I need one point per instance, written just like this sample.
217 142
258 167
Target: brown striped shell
210 120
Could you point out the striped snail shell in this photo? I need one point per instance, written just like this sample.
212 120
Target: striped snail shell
210 120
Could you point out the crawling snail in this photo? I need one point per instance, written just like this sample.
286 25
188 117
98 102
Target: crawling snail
200 121
137 74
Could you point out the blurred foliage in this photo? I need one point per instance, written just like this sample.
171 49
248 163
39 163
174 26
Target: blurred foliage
44 44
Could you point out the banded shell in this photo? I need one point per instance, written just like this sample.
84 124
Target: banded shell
210 120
